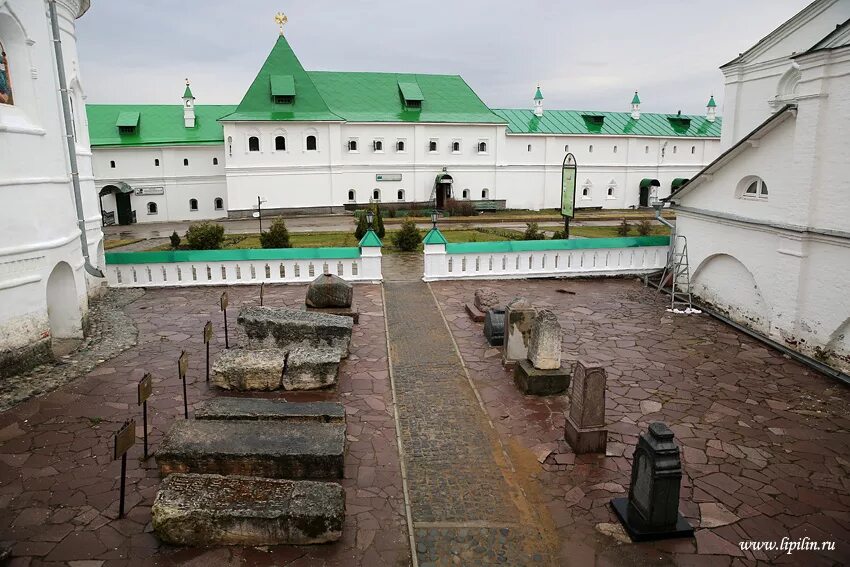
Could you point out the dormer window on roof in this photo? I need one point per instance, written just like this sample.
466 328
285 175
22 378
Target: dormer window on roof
411 94
128 122
282 88
593 122
679 123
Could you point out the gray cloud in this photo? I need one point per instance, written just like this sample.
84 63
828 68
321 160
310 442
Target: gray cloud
585 55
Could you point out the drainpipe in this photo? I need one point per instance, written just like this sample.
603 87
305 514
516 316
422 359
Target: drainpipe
69 136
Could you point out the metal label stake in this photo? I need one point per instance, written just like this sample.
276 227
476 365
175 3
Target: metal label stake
182 366
208 335
145 391
262 288
224 303
124 439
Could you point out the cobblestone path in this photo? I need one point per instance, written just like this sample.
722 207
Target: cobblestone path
466 506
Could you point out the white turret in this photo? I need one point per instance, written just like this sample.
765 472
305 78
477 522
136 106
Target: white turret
538 102
188 107
636 106
711 110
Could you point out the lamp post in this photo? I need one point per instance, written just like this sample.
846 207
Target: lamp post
370 216
434 220
259 213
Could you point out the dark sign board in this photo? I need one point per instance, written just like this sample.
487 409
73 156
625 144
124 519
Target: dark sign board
145 388
125 438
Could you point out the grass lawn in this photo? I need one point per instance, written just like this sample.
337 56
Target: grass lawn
611 231
110 244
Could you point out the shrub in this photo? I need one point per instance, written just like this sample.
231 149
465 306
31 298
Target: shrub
457 208
205 236
276 236
362 226
175 240
532 232
379 223
623 228
559 235
644 228
408 237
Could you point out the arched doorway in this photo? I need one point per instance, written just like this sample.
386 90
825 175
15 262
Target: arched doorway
442 189
123 212
725 282
648 187
63 309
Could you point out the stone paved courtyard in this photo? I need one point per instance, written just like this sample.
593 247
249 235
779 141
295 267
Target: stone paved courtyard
765 441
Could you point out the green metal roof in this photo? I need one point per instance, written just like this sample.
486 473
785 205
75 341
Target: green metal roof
636 99
647 182
711 102
522 121
159 125
678 182
538 245
127 119
434 236
410 90
370 240
538 95
258 104
282 85
188 92
231 255
374 97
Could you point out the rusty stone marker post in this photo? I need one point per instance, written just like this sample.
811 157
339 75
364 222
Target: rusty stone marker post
182 366
224 301
208 335
652 509
585 429
145 390
124 439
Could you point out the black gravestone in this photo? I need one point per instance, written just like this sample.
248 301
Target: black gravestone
652 509
494 327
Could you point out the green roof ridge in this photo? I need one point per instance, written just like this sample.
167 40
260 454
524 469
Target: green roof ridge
258 104
434 236
636 99
711 102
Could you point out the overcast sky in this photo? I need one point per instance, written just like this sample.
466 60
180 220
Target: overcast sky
588 55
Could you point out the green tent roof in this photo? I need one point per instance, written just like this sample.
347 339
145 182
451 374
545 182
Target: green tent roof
158 125
370 240
258 104
711 102
434 236
188 92
538 95
636 99
522 121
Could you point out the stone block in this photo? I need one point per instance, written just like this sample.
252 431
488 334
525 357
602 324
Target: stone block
211 510
273 449
341 311
494 327
260 409
485 299
519 315
310 368
276 327
544 344
585 428
474 313
244 370
530 380
329 290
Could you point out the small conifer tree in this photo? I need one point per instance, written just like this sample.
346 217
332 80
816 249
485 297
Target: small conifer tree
277 236
407 238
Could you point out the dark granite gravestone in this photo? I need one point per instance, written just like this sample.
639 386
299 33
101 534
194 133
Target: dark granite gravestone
494 327
651 510
272 449
585 429
260 409
333 295
210 510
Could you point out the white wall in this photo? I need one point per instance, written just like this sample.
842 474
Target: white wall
38 222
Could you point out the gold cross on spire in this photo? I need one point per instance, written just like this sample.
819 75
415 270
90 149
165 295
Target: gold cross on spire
280 18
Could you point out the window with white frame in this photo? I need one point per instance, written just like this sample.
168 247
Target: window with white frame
352 145
185 162
400 194
312 143
152 208
693 150
590 149
615 149
465 194
432 145
218 203
586 189
485 193
646 149
378 146
254 144
193 204
376 194
482 146
566 147
611 192
529 147
215 161
455 146
675 149
352 196
752 187
156 163
280 143
399 145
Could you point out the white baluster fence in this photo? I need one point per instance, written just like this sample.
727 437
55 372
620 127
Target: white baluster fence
544 258
235 267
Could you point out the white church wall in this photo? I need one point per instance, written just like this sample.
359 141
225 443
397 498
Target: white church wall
39 223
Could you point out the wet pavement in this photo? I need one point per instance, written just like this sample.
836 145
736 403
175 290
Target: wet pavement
765 441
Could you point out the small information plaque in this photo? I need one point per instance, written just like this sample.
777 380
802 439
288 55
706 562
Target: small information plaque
125 438
224 300
208 332
145 388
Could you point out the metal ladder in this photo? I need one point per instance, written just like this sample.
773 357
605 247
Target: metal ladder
679 272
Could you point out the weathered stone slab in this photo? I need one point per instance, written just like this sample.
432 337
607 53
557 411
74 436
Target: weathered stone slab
329 290
341 311
519 314
486 299
544 344
243 370
310 368
273 449
229 408
205 510
474 313
530 380
276 327
585 429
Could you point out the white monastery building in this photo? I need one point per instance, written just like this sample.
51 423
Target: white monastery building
768 222
50 220
318 141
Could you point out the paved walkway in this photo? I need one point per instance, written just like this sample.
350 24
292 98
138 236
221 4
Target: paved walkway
465 503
